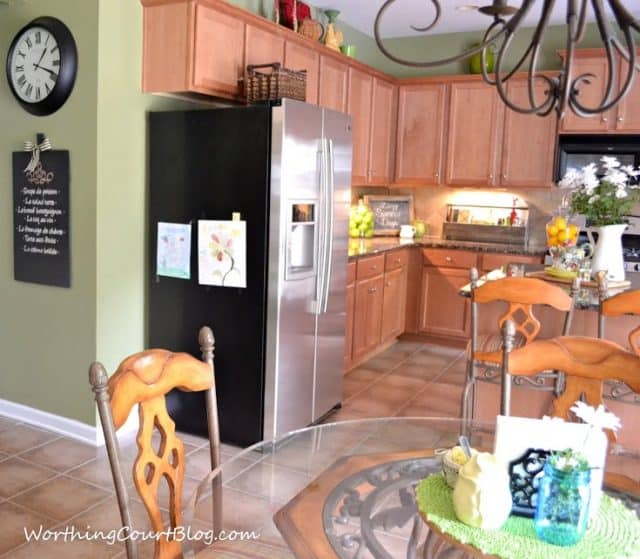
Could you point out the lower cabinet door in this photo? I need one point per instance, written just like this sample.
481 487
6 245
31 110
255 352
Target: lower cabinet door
443 311
368 315
393 304
348 335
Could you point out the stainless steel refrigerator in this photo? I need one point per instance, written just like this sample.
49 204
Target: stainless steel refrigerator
279 341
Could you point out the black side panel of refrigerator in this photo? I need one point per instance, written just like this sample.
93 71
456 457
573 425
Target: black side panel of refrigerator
206 165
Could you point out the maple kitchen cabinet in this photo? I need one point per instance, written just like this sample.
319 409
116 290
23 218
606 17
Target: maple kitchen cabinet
192 47
420 134
371 104
300 57
332 92
383 131
262 47
442 311
528 141
368 305
394 298
350 310
623 118
359 107
475 115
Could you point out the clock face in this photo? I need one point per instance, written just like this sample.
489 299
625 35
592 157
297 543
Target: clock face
35 65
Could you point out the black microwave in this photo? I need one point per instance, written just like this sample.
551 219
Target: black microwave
578 151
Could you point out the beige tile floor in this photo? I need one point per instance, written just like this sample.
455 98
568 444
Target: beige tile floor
55 482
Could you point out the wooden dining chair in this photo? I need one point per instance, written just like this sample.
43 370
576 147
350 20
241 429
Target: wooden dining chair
520 294
625 303
144 379
587 363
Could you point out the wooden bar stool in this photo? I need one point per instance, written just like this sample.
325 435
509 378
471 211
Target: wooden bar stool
144 379
520 294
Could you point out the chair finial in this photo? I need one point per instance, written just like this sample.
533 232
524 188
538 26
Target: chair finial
207 342
97 375
473 276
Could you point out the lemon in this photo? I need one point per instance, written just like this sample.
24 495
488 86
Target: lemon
552 241
552 230
560 223
573 231
563 236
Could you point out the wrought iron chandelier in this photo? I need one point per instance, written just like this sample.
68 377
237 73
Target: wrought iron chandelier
563 91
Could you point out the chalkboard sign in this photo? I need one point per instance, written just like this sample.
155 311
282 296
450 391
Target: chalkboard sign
41 219
389 213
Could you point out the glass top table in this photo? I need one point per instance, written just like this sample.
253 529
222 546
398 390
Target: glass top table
339 490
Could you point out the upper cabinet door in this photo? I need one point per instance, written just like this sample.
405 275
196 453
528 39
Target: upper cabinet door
383 127
263 47
333 84
529 141
591 95
359 107
420 144
298 57
218 59
475 120
628 111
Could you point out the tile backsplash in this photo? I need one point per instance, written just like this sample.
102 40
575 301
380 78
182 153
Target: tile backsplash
430 205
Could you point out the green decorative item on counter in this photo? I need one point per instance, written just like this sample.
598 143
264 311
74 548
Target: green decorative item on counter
421 228
360 221
475 62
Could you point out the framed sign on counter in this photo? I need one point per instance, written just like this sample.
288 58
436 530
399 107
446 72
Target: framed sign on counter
41 250
390 212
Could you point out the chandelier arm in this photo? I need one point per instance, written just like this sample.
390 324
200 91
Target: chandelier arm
533 64
623 53
435 21
582 22
623 17
430 64
500 81
483 63
628 84
605 34
563 93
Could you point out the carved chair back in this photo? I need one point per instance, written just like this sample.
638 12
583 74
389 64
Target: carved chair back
586 363
625 303
144 379
520 294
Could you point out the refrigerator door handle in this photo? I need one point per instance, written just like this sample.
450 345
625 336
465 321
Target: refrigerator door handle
326 281
322 226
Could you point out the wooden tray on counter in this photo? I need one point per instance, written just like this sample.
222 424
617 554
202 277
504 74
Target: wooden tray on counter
541 274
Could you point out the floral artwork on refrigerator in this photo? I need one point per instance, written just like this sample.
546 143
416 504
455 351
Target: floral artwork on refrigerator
222 253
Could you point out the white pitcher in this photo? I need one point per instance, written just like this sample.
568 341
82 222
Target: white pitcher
607 254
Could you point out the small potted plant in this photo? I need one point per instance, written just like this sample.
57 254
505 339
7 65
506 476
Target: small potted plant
564 492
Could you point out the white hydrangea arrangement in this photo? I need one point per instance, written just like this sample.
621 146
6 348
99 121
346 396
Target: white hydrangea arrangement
603 200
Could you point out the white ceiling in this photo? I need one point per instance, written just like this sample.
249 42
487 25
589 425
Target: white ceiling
361 15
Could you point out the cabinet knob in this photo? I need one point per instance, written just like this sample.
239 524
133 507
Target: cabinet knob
605 119
620 119
504 175
388 284
374 267
397 261
372 289
436 175
490 177
448 259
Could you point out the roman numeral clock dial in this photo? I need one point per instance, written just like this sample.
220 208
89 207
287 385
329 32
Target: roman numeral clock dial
42 65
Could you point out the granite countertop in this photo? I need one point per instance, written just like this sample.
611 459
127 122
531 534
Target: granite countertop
375 245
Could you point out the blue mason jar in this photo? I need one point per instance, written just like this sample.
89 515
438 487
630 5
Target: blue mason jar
562 510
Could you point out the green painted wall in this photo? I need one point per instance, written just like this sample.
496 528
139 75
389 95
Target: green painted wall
121 182
46 335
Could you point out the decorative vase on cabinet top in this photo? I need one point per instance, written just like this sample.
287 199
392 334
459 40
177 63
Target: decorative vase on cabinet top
607 254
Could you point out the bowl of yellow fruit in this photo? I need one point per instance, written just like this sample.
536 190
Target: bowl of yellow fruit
561 232
452 460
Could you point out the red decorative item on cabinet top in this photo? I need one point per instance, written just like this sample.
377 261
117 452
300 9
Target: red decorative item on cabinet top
292 11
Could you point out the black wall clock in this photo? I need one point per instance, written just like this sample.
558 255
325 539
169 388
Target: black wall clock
42 65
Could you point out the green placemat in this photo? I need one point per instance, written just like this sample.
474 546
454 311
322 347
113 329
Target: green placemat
613 533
